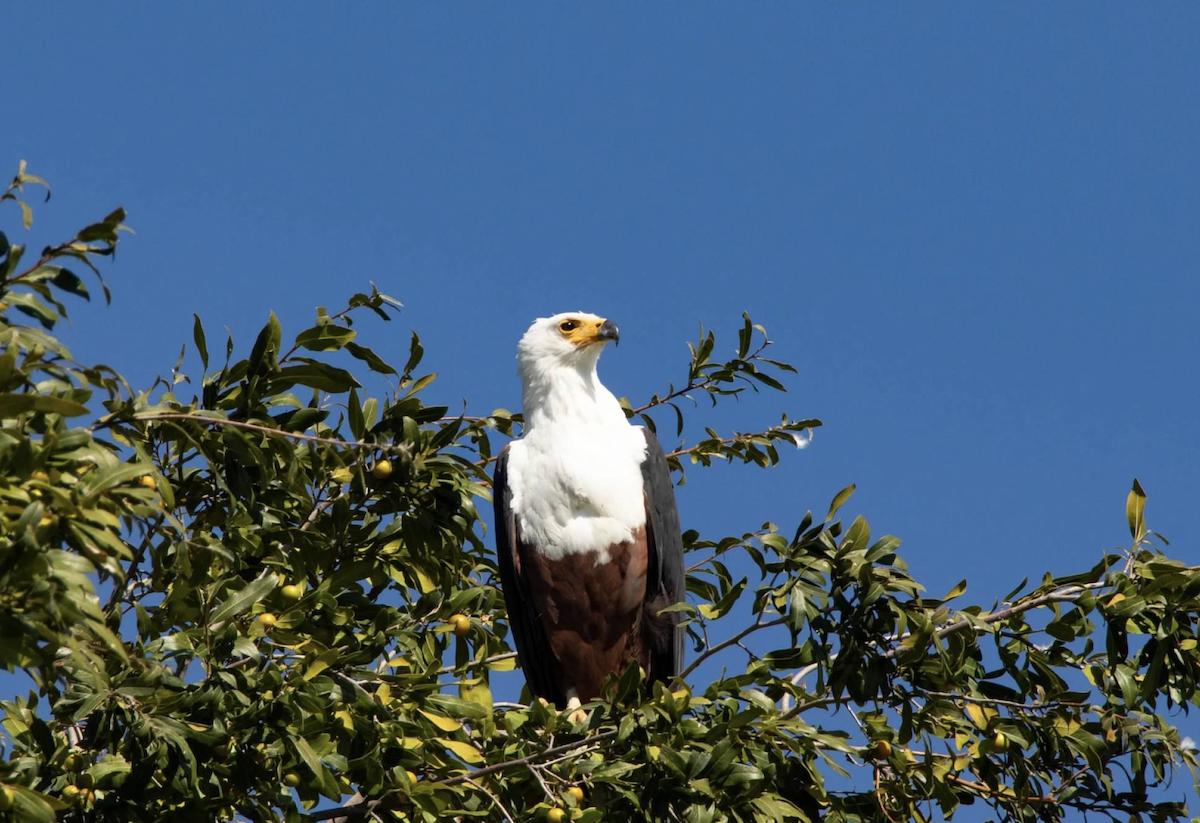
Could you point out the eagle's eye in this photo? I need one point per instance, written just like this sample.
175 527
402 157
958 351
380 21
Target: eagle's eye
567 325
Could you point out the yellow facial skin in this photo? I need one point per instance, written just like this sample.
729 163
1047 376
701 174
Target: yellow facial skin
582 332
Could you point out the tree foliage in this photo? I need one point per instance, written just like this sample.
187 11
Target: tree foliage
263 594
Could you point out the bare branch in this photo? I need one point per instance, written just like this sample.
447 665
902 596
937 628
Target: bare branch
495 658
495 800
733 641
586 743
273 432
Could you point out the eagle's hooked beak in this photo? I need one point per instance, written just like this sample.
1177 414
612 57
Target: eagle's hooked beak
608 331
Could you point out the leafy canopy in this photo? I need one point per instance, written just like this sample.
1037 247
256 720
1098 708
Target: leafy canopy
266 595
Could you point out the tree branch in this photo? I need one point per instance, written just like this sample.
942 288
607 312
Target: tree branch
477 663
733 641
268 430
1065 594
695 385
587 742
495 800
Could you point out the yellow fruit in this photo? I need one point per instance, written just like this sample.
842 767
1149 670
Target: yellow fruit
6 798
461 624
576 794
291 592
556 816
341 475
882 750
147 482
267 620
40 475
291 780
412 776
70 793
382 470
1000 741
70 762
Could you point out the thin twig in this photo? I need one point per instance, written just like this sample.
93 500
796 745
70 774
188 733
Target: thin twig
477 663
879 798
315 513
533 770
737 638
356 806
994 701
703 384
532 758
495 800
726 441
241 424
119 593
1066 594
580 753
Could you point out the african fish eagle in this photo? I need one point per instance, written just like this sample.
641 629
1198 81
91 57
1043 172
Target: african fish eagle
587 533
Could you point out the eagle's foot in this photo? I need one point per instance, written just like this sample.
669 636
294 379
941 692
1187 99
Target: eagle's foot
575 714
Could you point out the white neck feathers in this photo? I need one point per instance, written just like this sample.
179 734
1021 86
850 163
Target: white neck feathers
576 473
568 396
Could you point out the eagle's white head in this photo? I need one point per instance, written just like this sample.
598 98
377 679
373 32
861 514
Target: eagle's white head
556 360
568 340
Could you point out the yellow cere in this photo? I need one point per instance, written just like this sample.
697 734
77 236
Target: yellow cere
581 332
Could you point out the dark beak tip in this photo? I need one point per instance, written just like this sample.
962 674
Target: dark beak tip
609 331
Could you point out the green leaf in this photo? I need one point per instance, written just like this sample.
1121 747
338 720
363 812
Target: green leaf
744 336
456 706
446 724
415 352
314 375
243 599
358 426
840 499
463 751
325 338
374 362
307 755
14 404
266 347
68 281
1135 508
421 383
201 343
776 808
30 806
100 480
957 591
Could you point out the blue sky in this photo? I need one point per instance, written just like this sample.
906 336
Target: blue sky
973 228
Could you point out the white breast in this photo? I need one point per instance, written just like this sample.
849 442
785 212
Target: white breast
576 489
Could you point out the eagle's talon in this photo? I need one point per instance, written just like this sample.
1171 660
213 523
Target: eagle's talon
575 714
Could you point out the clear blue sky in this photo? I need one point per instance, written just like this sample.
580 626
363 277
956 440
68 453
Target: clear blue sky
975 229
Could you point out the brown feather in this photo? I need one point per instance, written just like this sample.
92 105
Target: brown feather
592 612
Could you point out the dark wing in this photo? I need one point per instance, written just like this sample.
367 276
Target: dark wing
528 634
665 582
